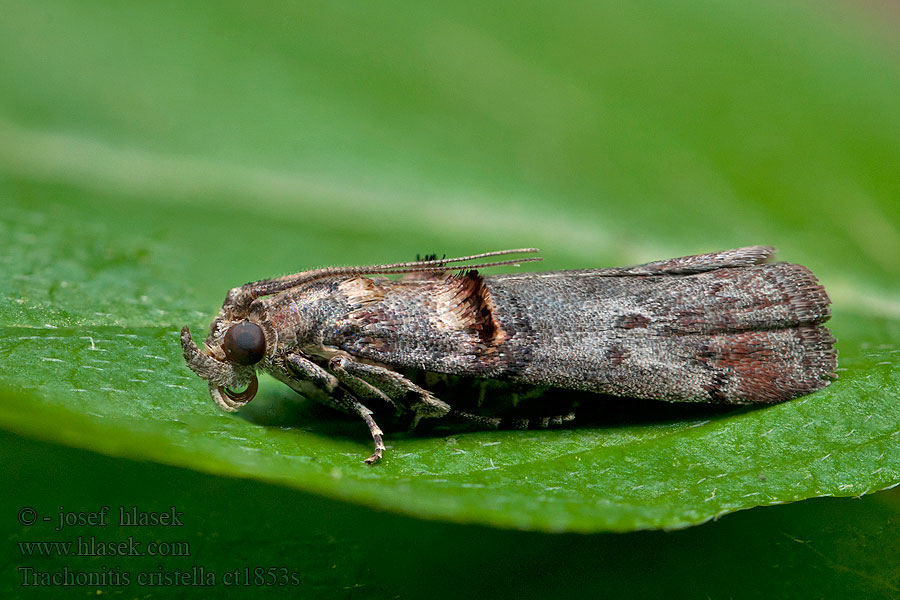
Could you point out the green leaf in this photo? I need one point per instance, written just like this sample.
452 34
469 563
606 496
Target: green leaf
822 548
153 157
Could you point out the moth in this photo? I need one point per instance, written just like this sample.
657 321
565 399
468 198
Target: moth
727 327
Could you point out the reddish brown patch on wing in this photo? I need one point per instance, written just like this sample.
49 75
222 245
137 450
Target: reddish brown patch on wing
634 321
469 304
768 366
616 354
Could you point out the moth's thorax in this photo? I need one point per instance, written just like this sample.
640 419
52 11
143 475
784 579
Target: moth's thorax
299 317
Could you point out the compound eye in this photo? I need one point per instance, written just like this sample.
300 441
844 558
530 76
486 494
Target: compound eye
245 343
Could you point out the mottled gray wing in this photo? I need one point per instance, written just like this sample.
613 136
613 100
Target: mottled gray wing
734 334
717 327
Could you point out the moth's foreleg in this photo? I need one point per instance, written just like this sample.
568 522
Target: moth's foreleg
309 379
305 369
397 388
377 434
309 371
344 371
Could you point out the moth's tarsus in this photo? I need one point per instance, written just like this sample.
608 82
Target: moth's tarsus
726 327
377 435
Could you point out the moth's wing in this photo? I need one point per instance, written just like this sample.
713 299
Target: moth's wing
683 265
755 334
733 334
443 323
698 263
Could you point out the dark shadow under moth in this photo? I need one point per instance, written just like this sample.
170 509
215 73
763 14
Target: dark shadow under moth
727 327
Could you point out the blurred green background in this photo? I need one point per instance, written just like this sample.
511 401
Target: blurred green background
154 155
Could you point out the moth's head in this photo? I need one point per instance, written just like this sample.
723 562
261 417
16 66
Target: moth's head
229 359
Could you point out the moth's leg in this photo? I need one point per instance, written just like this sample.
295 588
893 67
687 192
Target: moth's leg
356 384
515 422
377 435
310 371
479 420
389 385
307 370
309 379
546 422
